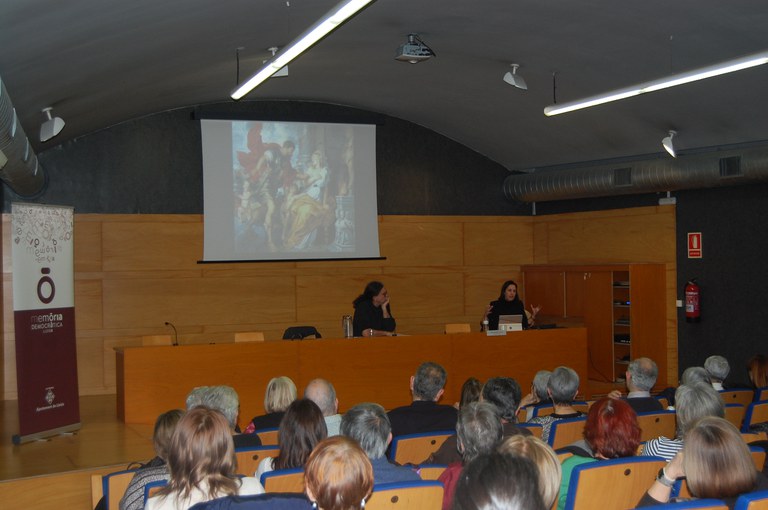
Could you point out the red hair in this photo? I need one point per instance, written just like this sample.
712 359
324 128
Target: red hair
611 429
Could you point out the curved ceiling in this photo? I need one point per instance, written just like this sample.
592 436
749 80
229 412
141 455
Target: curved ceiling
102 62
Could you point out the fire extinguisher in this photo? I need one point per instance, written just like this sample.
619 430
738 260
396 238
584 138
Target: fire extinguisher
692 301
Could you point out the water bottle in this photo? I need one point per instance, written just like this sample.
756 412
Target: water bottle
484 325
346 324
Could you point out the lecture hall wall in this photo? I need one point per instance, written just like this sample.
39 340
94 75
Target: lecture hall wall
448 236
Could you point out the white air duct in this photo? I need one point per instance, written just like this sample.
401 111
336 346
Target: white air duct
706 170
19 168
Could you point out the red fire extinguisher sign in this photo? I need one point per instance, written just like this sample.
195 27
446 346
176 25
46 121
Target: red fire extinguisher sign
694 245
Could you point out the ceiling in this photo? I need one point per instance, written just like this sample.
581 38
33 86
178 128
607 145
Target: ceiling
103 62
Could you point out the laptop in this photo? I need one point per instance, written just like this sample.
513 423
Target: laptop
511 322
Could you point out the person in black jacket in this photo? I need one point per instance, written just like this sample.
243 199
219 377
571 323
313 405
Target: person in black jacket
372 314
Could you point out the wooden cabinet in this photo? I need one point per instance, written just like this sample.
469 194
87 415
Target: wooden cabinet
622 307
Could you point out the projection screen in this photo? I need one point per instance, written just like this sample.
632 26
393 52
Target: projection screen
288 190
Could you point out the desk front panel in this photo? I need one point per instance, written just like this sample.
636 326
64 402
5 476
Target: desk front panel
152 380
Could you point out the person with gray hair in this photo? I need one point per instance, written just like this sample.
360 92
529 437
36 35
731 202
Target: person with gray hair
504 394
562 387
695 374
368 424
225 400
640 377
718 368
692 403
479 432
537 396
424 414
322 393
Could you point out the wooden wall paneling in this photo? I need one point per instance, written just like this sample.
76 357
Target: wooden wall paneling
540 242
575 293
330 295
88 304
87 246
647 323
598 318
545 289
90 365
498 243
170 242
626 235
408 243
151 302
426 295
482 285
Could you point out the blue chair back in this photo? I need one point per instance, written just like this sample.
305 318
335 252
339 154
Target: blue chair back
757 499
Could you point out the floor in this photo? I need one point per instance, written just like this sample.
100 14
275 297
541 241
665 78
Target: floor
101 441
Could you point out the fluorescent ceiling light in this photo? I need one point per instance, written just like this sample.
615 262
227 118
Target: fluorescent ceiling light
327 24
703 73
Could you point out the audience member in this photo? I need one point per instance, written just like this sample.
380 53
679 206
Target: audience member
479 431
537 396
545 459
692 402
717 368
202 463
338 475
695 374
157 468
562 387
322 393
281 391
225 400
373 315
504 394
424 414
716 463
640 377
300 430
497 481
757 369
611 432
369 425
470 392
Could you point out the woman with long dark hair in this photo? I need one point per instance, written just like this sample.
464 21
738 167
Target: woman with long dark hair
509 303
372 314
302 427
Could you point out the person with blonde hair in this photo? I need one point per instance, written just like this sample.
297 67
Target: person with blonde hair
281 391
202 463
716 462
545 459
338 475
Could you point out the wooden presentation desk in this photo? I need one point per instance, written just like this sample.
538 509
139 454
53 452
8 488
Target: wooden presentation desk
152 380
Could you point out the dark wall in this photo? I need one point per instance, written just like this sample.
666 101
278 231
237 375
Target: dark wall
153 165
731 274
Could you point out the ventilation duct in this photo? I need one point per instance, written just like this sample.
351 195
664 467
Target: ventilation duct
708 170
19 168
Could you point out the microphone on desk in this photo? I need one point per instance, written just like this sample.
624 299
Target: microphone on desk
175 333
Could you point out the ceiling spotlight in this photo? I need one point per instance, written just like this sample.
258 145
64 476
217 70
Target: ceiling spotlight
668 145
414 51
51 127
515 79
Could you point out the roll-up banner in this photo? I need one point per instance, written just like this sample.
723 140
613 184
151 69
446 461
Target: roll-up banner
44 316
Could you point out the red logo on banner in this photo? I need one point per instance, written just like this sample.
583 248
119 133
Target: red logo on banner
694 245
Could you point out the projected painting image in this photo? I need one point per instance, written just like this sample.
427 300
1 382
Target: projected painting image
292 187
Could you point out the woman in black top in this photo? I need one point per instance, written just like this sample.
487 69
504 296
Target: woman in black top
509 303
372 313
